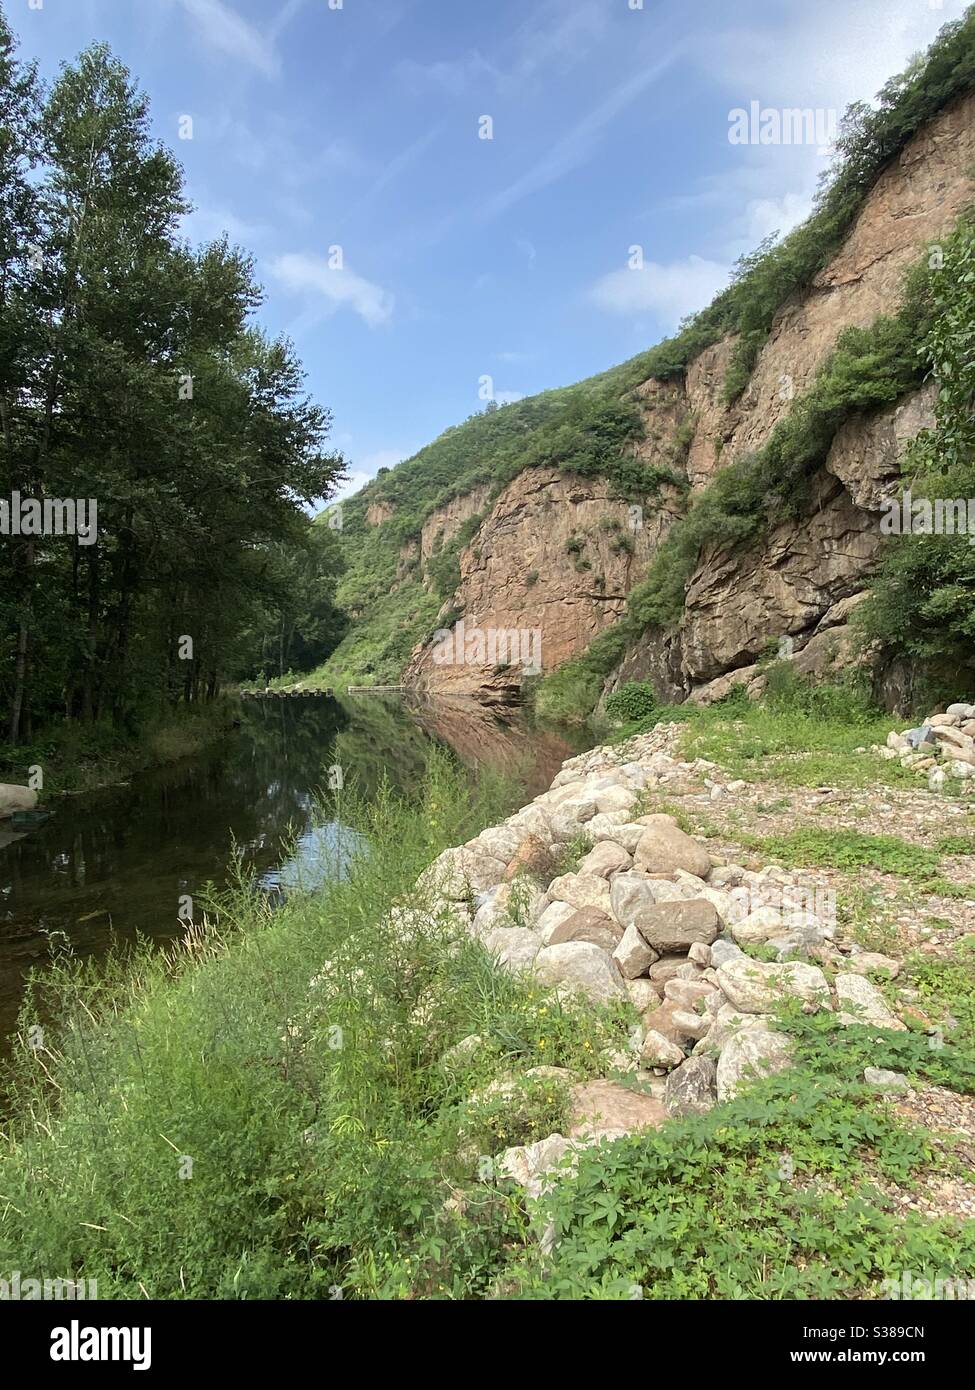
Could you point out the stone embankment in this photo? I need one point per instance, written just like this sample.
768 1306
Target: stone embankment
706 951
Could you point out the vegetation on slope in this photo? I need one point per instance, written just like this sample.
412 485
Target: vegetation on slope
586 428
275 1112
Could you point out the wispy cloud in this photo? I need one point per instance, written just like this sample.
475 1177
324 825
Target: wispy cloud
221 26
579 143
456 76
669 292
333 289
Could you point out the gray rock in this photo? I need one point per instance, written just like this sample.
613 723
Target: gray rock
587 924
758 987
747 1055
667 927
580 966
633 956
890 1082
723 951
862 1002
692 1088
915 737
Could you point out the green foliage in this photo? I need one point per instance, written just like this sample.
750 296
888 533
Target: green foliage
632 701
923 601
587 429
847 849
768 1197
131 373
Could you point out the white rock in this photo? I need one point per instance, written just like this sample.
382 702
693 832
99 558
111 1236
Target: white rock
581 967
748 1055
515 948
582 890
862 1002
758 927
758 987
644 995
553 916
658 1051
633 956
458 873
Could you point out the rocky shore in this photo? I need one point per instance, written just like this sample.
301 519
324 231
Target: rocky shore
705 950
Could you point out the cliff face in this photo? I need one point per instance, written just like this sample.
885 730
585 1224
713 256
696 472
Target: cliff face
555 556
559 555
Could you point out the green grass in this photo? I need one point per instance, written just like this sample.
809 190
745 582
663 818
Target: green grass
315 1118
846 849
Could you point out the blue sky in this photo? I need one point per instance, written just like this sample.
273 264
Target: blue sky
317 126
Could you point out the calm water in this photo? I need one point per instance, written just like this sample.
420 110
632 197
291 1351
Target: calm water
113 865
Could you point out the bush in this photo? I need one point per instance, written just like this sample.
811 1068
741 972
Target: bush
631 702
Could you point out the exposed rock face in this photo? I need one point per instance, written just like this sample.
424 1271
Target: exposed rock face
526 569
524 573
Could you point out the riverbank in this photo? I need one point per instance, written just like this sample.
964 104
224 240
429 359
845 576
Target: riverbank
74 759
368 1090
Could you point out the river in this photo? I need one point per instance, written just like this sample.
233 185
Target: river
114 864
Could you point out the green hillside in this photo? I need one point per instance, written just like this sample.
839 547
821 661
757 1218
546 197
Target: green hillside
583 429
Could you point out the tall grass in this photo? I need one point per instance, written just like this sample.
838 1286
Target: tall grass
263 1112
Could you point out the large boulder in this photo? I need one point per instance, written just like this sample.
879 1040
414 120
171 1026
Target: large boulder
664 847
580 967
748 1055
668 927
692 1089
859 1001
759 987
585 924
14 798
581 890
605 1109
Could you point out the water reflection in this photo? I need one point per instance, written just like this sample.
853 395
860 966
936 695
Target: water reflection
112 865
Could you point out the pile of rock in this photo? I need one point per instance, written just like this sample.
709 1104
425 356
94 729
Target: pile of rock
648 915
940 746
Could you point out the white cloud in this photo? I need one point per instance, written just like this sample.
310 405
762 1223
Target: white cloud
206 223
339 289
456 76
764 216
223 28
670 292
370 464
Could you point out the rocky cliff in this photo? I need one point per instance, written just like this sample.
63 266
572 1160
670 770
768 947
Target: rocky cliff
556 555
